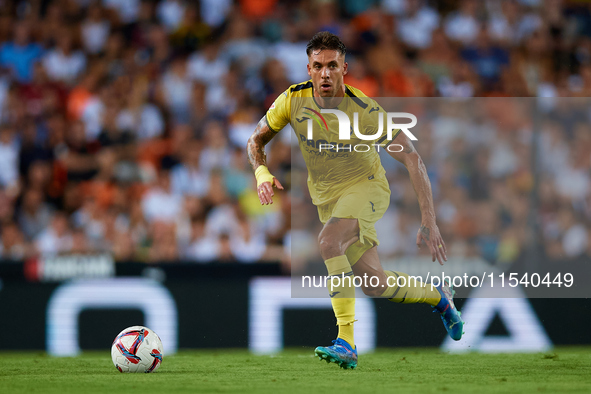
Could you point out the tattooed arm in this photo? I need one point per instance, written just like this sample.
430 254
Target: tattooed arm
256 143
429 232
258 161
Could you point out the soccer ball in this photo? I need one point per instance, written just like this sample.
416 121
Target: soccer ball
137 349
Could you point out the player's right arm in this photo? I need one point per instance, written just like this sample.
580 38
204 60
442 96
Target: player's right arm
277 117
258 161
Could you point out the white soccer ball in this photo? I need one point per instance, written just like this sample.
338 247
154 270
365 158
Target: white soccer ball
137 349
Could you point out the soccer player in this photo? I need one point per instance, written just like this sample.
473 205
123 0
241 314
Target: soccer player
351 193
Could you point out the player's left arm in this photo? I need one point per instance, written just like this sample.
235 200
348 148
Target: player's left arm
429 232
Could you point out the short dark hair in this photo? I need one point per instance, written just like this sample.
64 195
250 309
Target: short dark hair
325 40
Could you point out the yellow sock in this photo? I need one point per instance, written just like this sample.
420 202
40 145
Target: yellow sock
405 290
342 296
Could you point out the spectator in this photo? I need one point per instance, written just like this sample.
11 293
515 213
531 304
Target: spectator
202 248
12 245
206 66
243 120
20 55
76 156
95 30
112 136
191 34
187 178
80 243
9 155
157 49
533 60
238 177
170 13
462 25
438 60
509 25
33 147
243 47
63 63
42 96
416 27
34 214
159 203
175 91
57 238
216 154
575 235
247 244
486 59
289 52
124 247
222 218
163 242
462 83
142 118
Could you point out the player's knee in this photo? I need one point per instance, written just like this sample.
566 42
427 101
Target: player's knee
329 246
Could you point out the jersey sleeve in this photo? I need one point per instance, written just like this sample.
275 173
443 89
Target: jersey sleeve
279 113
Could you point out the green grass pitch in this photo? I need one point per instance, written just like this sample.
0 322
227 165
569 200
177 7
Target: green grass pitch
297 370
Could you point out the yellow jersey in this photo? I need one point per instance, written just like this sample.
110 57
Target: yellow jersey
333 164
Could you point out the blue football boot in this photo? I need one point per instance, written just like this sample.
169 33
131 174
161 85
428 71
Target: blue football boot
340 353
449 314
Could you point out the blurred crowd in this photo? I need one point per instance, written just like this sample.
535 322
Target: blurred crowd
123 123
479 155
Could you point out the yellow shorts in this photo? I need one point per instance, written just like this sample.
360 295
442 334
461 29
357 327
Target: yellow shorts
367 202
